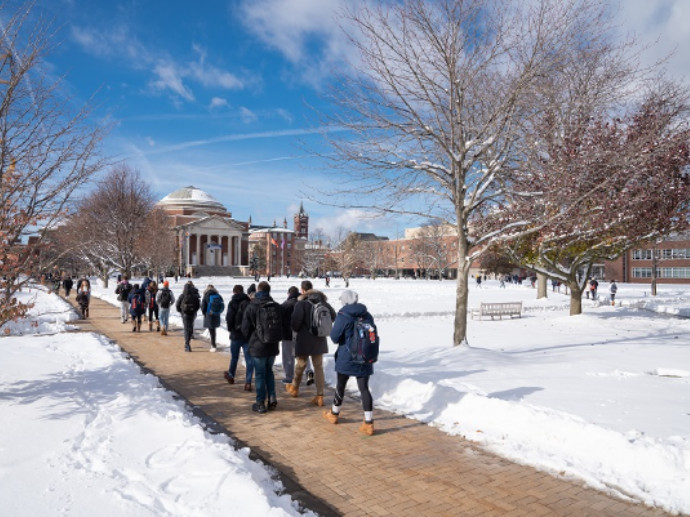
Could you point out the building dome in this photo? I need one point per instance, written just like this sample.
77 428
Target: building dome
191 197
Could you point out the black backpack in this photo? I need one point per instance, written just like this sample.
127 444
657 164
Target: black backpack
269 327
190 303
239 314
166 298
364 343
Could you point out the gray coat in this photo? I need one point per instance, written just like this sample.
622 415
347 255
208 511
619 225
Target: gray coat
307 343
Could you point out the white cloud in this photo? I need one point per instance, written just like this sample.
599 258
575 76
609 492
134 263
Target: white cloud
306 32
351 219
150 141
248 116
285 115
663 25
218 102
169 77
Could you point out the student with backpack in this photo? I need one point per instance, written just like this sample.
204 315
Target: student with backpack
355 334
137 306
123 289
165 299
152 305
233 319
262 324
187 305
212 306
312 321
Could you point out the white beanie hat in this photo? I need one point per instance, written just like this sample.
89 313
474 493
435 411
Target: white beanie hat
348 297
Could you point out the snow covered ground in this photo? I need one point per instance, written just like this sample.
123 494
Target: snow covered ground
604 397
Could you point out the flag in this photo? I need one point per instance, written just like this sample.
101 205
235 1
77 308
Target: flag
282 244
274 242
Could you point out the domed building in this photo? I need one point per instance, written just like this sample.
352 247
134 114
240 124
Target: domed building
208 240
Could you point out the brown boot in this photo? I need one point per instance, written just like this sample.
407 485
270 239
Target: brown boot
164 332
292 390
318 400
150 326
330 416
367 428
248 386
158 327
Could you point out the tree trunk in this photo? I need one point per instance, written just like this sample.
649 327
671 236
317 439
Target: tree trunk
541 286
104 277
461 294
575 298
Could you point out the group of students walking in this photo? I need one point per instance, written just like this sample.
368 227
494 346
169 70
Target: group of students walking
257 325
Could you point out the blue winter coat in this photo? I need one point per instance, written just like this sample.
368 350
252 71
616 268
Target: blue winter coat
137 312
343 328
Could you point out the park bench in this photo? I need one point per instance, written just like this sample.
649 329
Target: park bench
498 309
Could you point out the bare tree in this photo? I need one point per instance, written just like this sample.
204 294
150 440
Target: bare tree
433 246
434 115
157 243
112 221
47 151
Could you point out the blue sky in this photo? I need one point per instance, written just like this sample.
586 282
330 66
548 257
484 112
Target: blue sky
214 93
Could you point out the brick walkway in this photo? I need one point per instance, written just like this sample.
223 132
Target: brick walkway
406 468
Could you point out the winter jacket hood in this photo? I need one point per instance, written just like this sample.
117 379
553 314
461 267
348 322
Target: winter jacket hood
307 343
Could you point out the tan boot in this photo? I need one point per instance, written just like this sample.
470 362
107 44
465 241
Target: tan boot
318 400
330 416
150 326
367 428
164 332
292 390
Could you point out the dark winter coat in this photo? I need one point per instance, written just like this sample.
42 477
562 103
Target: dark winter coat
137 312
234 305
307 343
343 327
67 283
211 321
122 291
190 295
256 347
288 307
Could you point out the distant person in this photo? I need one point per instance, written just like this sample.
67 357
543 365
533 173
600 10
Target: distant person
307 341
593 286
152 305
345 366
165 299
84 285
123 289
137 306
262 324
613 289
479 280
328 281
187 305
238 341
83 301
67 284
212 306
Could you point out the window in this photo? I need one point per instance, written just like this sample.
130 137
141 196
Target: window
642 272
676 272
642 254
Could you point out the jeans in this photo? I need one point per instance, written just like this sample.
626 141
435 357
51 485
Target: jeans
288 354
263 378
235 345
165 317
188 323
